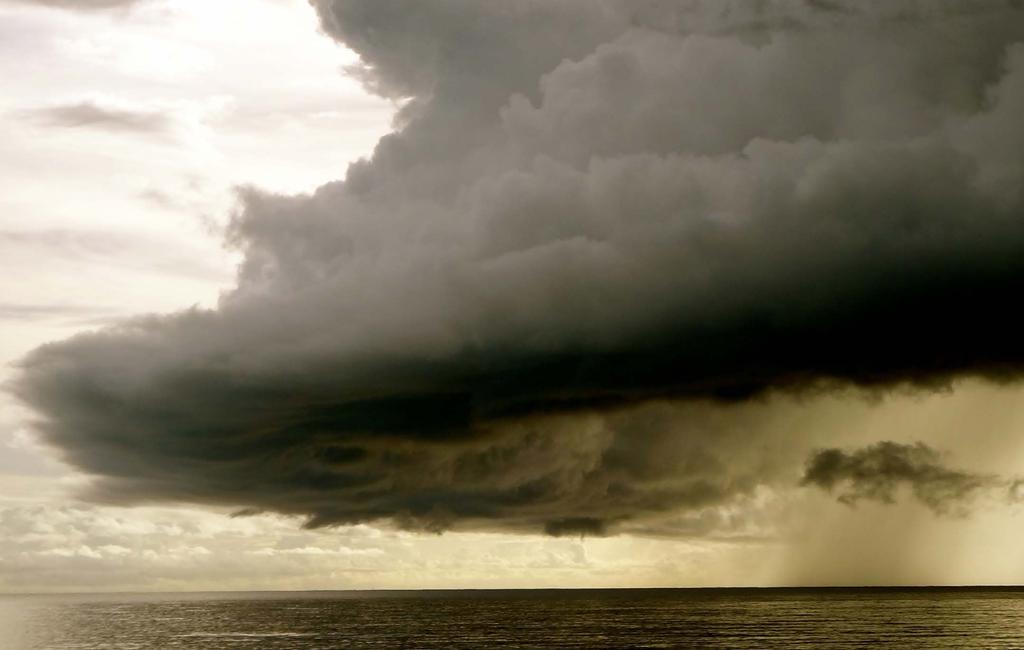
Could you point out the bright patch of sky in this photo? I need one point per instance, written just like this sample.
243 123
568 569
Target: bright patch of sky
122 135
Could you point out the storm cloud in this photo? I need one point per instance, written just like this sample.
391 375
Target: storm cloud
584 207
877 472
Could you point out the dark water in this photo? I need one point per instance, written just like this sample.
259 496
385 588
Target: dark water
658 618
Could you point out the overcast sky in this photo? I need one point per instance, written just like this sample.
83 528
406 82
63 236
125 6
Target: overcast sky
365 294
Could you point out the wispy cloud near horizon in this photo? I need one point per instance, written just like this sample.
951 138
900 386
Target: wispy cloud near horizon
91 114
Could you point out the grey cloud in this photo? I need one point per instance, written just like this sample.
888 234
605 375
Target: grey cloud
876 473
670 200
561 475
89 114
575 526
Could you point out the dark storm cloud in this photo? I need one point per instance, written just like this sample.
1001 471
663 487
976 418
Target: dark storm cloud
93 115
877 472
585 205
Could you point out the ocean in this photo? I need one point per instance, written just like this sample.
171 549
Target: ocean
641 618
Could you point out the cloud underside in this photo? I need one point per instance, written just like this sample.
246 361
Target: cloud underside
585 206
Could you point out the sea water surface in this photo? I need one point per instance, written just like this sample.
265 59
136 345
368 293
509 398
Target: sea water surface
643 618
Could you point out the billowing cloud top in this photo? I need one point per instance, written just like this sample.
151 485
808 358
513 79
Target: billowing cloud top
584 205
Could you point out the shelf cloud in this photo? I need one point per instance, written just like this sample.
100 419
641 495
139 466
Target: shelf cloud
584 207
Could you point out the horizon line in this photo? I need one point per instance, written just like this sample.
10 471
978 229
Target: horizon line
892 587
